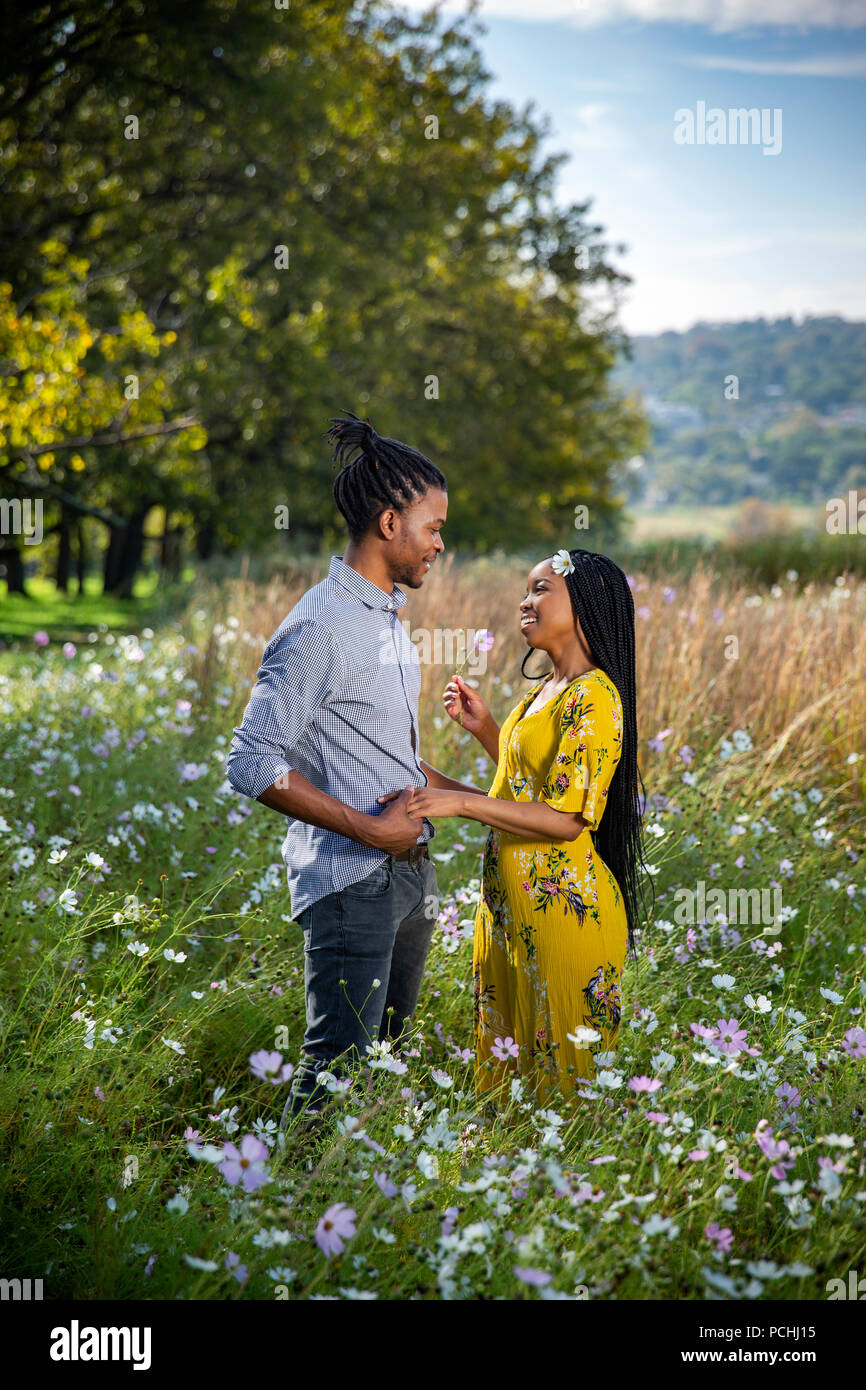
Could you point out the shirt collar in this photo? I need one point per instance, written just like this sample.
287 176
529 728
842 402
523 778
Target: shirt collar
364 589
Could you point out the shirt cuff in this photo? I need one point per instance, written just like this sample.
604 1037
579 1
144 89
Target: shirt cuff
251 776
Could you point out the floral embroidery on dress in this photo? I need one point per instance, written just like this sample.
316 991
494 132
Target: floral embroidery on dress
603 998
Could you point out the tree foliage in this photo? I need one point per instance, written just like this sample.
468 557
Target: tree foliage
268 215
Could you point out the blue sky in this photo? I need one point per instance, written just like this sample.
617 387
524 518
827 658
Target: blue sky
713 231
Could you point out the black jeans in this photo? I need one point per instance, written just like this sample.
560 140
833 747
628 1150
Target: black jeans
377 929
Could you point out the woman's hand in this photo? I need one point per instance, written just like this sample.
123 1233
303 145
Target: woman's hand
432 803
465 705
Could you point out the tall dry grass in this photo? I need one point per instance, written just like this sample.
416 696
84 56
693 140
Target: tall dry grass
712 656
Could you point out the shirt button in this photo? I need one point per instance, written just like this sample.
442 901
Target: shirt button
389 604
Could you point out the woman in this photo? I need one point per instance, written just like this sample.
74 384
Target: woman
558 903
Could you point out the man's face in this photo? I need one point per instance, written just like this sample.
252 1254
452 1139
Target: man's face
417 542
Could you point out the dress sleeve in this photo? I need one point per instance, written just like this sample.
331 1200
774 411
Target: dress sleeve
589 748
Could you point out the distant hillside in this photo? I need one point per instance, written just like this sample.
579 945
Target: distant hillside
766 408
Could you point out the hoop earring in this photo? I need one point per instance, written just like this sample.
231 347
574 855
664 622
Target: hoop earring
523 663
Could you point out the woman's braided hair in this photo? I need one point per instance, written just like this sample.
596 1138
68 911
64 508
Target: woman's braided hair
376 473
602 601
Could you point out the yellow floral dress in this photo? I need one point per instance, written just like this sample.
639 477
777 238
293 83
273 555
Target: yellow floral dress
550 931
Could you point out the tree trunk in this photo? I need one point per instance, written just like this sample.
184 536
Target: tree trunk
80 555
63 568
13 568
110 562
124 554
170 551
204 539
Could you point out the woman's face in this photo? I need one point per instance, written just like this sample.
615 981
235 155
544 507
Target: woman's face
546 616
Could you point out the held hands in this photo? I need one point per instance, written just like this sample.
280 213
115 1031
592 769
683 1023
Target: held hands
430 802
465 705
396 829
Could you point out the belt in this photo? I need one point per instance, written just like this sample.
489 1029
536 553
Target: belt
413 854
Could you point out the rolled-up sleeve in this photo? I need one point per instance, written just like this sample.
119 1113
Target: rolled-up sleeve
296 675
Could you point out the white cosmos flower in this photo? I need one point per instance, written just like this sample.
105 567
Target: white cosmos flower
562 563
761 1005
609 1079
67 900
138 948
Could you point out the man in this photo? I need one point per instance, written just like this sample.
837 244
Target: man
330 732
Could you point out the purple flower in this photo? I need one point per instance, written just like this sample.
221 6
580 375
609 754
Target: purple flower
384 1184
722 1235
246 1165
449 1221
701 1030
335 1227
269 1066
669 595
789 1095
69 649
687 754
657 742
483 640
775 1149
535 1277
41 639
235 1268
504 1048
644 1083
854 1043
731 1037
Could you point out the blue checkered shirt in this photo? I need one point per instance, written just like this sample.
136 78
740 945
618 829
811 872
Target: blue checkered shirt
336 699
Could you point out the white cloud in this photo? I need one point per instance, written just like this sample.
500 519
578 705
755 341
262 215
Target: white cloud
828 65
594 131
720 16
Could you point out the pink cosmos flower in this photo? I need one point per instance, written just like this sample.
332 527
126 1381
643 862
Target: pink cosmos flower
722 1235
504 1048
731 1037
269 1066
41 638
854 1043
535 1277
246 1165
449 1221
644 1083
69 649
384 1184
336 1227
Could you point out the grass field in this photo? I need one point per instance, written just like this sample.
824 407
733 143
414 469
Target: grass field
152 969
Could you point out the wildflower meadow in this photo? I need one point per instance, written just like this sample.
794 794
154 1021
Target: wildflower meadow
152 985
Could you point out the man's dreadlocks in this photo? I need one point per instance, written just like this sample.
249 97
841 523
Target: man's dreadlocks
376 473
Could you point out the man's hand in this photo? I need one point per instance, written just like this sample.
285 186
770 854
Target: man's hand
395 830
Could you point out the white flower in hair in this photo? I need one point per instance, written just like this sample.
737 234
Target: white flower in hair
562 563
